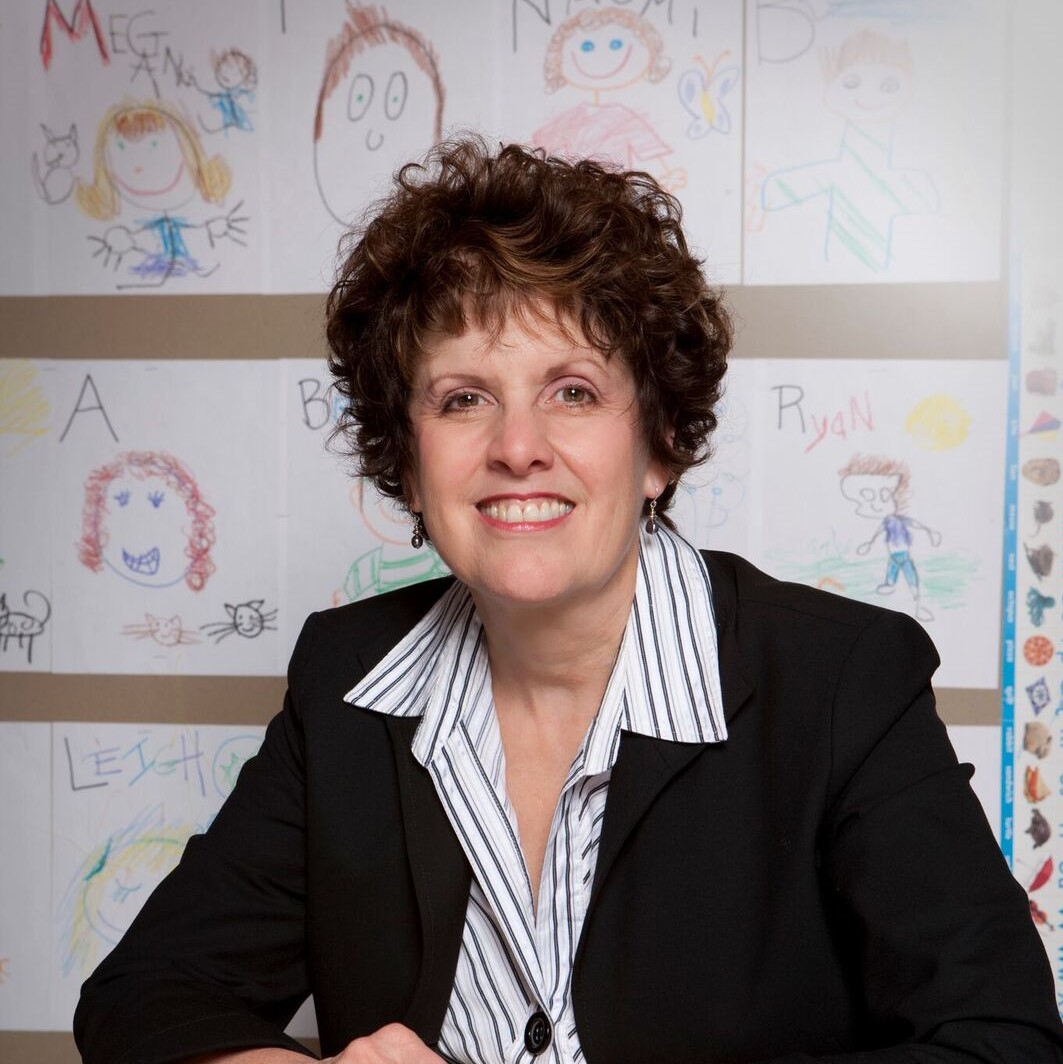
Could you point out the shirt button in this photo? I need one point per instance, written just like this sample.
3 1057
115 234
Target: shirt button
537 1033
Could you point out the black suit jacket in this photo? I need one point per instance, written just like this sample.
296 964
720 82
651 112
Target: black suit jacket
821 885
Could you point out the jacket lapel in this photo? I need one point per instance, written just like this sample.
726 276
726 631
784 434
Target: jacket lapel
441 878
644 765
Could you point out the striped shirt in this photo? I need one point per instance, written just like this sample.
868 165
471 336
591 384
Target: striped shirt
516 959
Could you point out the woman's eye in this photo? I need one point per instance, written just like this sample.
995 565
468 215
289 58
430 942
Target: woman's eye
574 395
462 401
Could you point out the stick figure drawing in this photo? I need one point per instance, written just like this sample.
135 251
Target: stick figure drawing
879 488
606 51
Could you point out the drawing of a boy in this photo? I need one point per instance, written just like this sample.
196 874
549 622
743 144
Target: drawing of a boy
380 104
867 84
879 487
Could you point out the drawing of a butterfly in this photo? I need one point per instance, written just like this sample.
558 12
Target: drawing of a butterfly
702 92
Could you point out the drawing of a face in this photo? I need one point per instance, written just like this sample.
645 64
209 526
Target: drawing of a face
116 889
146 540
234 70
149 171
869 93
145 519
380 106
875 494
248 620
605 57
383 516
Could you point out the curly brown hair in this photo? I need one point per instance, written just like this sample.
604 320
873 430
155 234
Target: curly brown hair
475 236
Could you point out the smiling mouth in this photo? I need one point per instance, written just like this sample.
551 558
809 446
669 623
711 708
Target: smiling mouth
525 512
146 564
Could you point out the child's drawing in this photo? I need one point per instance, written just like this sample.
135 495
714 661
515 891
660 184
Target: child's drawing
112 884
23 626
82 23
236 76
606 51
867 84
54 179
879 488
381 92
392 564
247 619
230 758
163 631
938 422
702 91
24 409
145 519
148 156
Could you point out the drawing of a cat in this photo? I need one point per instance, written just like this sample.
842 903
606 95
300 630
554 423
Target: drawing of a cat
61 153
22 627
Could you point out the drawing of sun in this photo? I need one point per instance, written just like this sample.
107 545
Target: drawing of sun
938 422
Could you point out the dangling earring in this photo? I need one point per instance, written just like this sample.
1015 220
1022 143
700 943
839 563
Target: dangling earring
417 539
651 518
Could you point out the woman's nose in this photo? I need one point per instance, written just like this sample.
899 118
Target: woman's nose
520 444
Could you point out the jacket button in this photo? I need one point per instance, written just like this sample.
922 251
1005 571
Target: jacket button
537 1033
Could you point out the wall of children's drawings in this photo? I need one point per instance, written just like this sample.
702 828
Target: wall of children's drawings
172 518
222 148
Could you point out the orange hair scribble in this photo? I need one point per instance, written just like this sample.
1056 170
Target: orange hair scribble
589 19
141 465
865 46
880 466
368 26
133 121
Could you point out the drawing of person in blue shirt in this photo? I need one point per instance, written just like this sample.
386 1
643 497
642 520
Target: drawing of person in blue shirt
149 156
236 76
868 83
879 487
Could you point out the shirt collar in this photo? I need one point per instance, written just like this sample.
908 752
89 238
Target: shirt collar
665 683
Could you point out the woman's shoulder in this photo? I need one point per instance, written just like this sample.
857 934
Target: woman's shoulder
742 592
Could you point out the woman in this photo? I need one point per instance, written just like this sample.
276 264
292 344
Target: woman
600 795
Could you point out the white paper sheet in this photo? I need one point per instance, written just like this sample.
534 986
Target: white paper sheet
25 898
359 90
874 141
166 517
917 525
654 87
145 122
125 800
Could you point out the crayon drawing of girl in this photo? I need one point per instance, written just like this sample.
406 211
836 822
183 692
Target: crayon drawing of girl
149 155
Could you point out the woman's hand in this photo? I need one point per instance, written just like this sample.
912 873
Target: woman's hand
393 1044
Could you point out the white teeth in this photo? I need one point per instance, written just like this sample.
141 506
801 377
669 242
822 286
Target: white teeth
516 513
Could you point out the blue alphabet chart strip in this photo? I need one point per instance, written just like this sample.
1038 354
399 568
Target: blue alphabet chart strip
1032 785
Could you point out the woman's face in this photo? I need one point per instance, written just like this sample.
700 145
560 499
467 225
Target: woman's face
530 467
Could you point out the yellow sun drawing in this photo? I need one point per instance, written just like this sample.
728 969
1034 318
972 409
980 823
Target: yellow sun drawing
938 422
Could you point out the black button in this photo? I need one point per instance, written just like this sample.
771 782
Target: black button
537 1033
